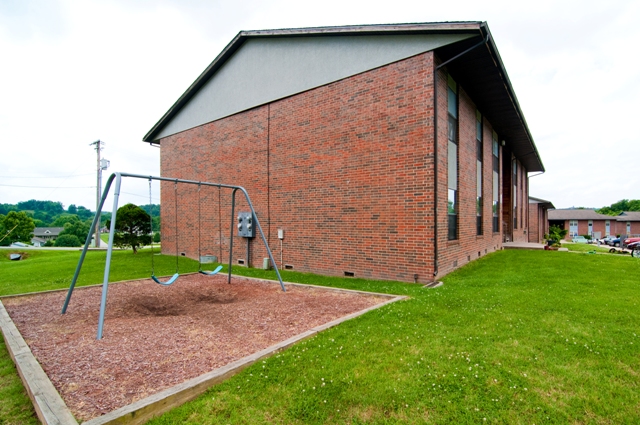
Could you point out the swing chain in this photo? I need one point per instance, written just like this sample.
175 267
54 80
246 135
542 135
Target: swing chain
151 223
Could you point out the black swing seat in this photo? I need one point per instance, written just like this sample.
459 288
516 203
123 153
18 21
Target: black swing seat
216 271
168 282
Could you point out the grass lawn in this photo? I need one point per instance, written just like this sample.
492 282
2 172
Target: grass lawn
583 247
516 337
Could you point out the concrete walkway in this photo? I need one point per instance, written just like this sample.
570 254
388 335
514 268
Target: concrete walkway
522 245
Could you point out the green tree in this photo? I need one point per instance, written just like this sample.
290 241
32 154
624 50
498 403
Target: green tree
16 227
65 218
67 240
133 227
156 224
156 237
607 211
77 228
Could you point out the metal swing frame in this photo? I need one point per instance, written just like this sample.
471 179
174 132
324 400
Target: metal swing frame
118 178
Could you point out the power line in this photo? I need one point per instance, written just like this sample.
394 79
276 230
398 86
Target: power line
45 177
50 187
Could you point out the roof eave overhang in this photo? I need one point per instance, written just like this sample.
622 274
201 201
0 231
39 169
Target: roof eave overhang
482 74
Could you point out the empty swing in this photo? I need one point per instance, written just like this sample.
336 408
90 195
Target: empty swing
176 275
217 269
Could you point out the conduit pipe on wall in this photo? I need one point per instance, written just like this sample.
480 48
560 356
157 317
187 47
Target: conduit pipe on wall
435 148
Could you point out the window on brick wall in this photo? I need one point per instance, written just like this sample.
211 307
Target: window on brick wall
479 173
452 159
495 207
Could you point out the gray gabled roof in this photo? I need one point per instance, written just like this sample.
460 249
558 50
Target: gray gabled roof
47 231
480 71
546 204
578 214
628 216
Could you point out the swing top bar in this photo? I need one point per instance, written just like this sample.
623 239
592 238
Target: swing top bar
117 176
169 179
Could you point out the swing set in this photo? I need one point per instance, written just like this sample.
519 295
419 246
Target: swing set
118 179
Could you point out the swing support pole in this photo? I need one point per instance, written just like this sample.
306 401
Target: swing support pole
118 178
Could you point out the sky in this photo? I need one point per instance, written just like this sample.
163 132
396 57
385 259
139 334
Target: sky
76 71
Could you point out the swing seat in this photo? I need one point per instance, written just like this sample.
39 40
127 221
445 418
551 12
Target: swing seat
168 282
216 271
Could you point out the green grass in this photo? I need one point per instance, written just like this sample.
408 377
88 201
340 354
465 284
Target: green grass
47 270
582 247
517 337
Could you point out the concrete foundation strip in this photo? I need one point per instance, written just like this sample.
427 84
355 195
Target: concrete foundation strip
51 409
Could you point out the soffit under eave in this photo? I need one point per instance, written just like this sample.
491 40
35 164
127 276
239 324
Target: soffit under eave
480 73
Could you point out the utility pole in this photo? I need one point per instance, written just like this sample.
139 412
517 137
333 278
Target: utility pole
101 165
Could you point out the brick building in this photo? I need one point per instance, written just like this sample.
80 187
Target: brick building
538 219
587 222
628 224
333 133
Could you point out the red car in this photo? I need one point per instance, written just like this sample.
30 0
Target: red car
630 241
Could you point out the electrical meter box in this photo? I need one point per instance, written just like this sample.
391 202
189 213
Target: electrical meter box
246 225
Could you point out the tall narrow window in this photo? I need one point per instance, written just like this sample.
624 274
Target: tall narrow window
495 207
479 173
452 156
515 194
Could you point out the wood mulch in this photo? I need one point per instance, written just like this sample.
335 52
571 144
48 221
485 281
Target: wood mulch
156 337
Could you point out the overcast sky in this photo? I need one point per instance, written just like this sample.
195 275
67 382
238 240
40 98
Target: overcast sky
76 71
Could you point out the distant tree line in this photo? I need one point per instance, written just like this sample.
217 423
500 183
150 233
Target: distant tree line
620 206
17 221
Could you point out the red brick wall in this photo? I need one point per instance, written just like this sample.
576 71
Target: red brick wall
536 218
469 246
346 170
621 227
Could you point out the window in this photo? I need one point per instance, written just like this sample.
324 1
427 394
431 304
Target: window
573 228
495 207
590 227
607 228
452 159
479 173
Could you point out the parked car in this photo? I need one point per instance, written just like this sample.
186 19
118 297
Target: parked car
629 241
635 249
607 240
579 239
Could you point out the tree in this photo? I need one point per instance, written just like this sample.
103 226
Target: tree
622 205
133 227
67 240
16 226
77 228
65 218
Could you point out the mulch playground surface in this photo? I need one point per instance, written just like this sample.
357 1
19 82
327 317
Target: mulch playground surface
156 337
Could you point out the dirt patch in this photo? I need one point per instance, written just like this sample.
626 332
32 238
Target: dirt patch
23 255
156 337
